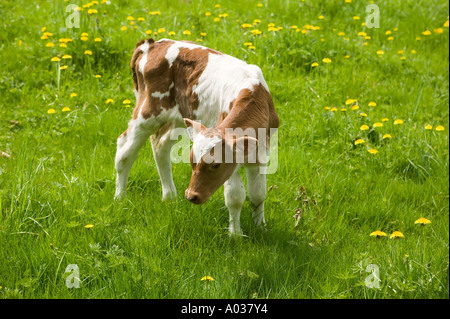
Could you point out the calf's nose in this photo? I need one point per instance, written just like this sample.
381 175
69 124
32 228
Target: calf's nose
192 197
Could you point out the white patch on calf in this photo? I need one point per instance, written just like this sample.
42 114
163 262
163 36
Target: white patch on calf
174 49
220 83
203 145
160 95
144 48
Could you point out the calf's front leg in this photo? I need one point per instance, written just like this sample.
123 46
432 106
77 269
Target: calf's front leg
234 192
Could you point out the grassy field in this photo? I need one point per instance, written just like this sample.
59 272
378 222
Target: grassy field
58 129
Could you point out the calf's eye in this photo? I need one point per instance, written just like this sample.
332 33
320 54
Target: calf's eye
215 165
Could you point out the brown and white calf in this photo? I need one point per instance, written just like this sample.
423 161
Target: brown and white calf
181 83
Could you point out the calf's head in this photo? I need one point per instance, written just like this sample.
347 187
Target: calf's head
214 158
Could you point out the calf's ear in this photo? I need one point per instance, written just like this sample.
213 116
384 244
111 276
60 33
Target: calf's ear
193 128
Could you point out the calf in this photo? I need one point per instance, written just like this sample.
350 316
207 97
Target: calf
179 83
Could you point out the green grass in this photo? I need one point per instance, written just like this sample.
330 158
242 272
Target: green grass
60 174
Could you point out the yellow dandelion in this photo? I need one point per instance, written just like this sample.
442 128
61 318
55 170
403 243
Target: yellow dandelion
88 52
372 104
398 122
359 141
186 32
378 234
321 17
380 52
73 94
141 19
387 136
63 67
440 128
260 5
429 127
356 18
446 24
350 101
377 124
50 45
413 51
126 102
334 109
84 38
401 52
362 34
315 64
347 56
355 107
427 32
171 32
207 13
124 28
51 111
203 34
388 32
97 76
372 151
422 221
130 18
66 109
44 37
98 39
108 101
55 59
384 119
88 226
148 32
396 234
364 127
92 11
326 60
251 47
217 6
343 110
363 114
84 34
256 32
67 56
161 30
207 278
63 45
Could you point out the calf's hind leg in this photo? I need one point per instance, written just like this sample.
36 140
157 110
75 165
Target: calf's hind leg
128 147
256 189
161 146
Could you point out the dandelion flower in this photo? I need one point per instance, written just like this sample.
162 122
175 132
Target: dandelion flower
63 67
186 32
326 60
333 109
171 32
161 30
440 128
88 52
359 141
126 102
387 136
98 76
51 111
355 107
396 234
384 119
67 56
98 40
216 19
377 124
108 101
73 94
429 127
148 32
372 151
315 64
372 104
398 122
380 52
422 221
92 11
427 32
363 114
88 226
207 13
63 45
349 101
66 109
50 45
207 278
364 127
56 59
378 234
248 44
